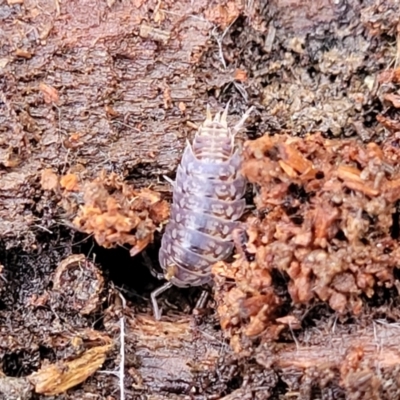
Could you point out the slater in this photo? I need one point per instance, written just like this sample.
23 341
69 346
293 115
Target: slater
206 205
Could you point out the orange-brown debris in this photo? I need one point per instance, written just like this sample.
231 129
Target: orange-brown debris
223 15
57 378
326 222
50 94
117 214
69 182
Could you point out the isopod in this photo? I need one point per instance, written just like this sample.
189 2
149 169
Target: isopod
207 202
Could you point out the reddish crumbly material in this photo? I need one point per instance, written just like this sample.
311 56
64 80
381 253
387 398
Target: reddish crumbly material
325 222
117 214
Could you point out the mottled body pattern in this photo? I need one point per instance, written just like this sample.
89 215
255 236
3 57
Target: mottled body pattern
207 202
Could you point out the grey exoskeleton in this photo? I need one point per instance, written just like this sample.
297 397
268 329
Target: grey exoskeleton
207 203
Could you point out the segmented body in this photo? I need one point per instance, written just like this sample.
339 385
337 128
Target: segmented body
207 202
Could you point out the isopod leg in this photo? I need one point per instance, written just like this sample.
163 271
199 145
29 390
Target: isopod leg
200 308
154 294
169 180
150 266
202 301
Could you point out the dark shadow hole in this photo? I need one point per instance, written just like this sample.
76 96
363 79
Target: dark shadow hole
235 383
395 228
272 153
297 219
133 278
47 353
20 363
298 192
340 235
319 175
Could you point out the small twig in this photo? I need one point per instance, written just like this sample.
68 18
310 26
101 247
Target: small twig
122 361
294 337
388 324
121 372
131 293
219 41
91 249
115 373
122 350
43 228
187 16
397 51
241 90
334 324
2 277
213 338
83 240
127 126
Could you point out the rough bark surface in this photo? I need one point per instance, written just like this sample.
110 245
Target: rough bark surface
97 99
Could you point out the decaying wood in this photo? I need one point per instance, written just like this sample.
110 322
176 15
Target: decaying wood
99 105
58 378
94 86
180 356
329 230
360 364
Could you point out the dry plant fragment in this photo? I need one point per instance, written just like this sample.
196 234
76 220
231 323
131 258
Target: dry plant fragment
57 378
69 182
156 34
23 53
89 349
240 75
393 98
325 221
223 15
80 283
50 94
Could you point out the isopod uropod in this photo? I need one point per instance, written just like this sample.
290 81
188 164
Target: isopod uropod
207 202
